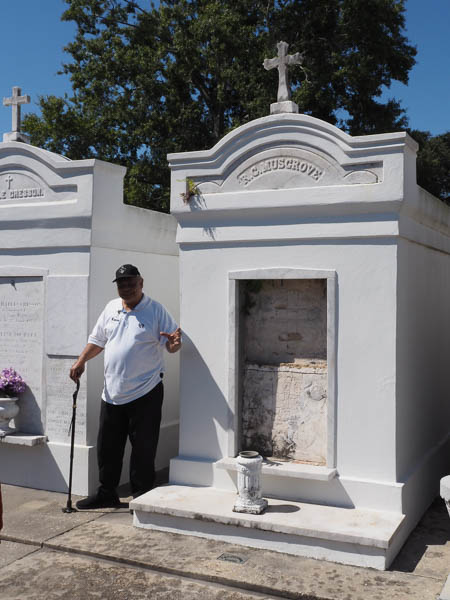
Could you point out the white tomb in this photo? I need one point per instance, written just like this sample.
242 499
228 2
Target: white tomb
315 278
64 231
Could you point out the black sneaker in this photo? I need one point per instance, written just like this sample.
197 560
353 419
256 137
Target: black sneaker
99 500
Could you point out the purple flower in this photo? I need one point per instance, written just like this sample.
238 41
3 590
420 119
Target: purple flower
11 383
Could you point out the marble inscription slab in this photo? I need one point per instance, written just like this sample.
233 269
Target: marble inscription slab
60 389
21 343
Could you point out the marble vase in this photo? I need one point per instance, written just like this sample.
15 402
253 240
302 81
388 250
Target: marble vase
445 492
249 498
8 410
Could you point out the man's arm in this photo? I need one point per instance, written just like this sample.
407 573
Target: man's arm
77 368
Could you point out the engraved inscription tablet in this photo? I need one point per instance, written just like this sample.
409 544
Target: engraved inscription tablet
59 402
280 163
287 167
19 187
21 343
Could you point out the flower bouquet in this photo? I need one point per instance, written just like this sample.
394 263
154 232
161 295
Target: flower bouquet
11 385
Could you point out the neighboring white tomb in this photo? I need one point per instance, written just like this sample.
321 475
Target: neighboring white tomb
315 280
64 231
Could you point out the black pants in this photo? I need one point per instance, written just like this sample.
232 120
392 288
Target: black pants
140 421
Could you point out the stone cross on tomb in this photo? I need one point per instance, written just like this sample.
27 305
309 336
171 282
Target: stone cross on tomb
281 62
15 101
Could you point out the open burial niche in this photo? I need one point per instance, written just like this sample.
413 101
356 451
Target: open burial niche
283 368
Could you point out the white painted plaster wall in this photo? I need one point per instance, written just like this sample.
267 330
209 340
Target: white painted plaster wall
366 276
423 379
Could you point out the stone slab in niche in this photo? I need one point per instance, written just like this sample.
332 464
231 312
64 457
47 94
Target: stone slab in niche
284 411
284 369
284 320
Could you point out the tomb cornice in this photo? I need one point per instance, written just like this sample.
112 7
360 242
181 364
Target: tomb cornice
264 207
18 271
294 234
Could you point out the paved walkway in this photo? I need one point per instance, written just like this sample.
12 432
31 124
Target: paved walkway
99 554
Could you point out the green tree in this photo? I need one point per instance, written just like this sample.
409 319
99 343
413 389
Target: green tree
149 80
433 163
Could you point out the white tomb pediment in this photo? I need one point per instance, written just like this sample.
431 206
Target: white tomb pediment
30 176
290 152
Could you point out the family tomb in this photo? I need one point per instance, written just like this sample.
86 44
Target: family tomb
314 307
64 232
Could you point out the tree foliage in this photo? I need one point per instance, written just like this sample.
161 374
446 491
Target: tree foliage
433 163
148 80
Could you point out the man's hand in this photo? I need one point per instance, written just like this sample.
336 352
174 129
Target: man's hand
76 370
173 343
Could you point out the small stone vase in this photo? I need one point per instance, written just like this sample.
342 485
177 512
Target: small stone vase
249 498
8 410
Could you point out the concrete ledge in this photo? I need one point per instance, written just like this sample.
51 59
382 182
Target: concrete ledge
350 536
46 466
24 439
285 469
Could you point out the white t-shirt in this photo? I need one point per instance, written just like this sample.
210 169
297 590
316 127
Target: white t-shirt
133 348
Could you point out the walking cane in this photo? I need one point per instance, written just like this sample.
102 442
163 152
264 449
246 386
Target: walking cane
68 508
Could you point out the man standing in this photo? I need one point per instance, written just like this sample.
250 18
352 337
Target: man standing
132 329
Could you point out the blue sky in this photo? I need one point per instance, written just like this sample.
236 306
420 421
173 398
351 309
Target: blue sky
33 37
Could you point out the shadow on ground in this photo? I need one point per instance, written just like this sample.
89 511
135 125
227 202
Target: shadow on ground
429 537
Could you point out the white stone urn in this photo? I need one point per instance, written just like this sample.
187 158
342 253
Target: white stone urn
8 410
445 491
249 498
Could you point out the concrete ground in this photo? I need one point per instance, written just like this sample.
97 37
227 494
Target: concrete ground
45 553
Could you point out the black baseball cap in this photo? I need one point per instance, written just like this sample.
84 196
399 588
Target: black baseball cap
126 271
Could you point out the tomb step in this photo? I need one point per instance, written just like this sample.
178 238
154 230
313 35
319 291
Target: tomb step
350 536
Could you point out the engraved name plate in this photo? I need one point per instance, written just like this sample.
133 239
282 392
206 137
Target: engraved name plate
21 343
21 188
